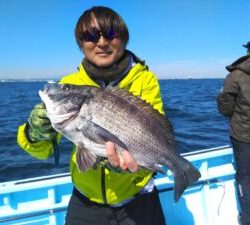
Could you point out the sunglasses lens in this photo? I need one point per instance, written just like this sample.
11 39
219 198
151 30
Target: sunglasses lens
111 34
94 34
91 36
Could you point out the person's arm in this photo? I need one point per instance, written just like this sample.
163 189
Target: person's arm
151 92
226 100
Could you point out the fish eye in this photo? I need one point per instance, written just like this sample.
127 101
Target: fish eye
65 87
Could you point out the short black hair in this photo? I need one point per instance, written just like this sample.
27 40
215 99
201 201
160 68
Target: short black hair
106 19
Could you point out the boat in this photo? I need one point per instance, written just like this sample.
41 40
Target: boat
51 82
209 201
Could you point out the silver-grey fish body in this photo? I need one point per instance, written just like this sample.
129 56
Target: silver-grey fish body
91 116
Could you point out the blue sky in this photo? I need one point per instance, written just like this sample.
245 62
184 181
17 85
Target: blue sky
196 38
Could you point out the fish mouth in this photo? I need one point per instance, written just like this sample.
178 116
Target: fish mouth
55 116
62 118
43 95
48 91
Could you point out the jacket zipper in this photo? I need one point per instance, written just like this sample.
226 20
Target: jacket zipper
103 186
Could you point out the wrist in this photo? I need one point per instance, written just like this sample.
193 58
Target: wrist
115 169
27 133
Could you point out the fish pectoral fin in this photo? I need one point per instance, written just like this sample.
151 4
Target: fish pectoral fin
84 158
105 135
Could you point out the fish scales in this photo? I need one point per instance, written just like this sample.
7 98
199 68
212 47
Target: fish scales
121 116
91 116
134 114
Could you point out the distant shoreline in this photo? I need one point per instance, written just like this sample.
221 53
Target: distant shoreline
55 80
26 80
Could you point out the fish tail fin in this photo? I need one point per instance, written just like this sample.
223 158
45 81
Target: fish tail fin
184 176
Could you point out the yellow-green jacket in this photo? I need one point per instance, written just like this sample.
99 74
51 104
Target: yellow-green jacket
102 185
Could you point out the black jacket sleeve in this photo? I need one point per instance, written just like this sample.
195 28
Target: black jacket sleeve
226 104
226 100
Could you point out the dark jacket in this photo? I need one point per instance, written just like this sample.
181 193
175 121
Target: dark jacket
234 100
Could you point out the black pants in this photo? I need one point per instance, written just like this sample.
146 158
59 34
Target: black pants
242 162
143 210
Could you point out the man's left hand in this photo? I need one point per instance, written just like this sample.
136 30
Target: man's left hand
124 161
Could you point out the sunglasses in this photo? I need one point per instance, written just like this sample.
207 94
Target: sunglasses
94 35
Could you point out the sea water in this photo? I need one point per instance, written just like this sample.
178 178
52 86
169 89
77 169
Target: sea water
189 104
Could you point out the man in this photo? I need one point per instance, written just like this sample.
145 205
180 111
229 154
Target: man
248 47
234 103
102 195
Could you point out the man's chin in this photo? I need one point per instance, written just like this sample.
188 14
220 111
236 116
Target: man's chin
104 63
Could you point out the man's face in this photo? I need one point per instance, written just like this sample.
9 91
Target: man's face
104 52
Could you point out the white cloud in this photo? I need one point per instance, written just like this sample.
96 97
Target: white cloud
211 68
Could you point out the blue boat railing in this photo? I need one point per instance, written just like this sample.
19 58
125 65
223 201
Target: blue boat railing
44 200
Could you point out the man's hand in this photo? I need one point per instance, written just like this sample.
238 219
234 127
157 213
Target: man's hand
124 161
40 128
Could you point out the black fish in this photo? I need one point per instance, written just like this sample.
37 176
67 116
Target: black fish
91 116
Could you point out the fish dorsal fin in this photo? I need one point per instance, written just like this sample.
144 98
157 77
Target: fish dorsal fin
143 106
131 99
